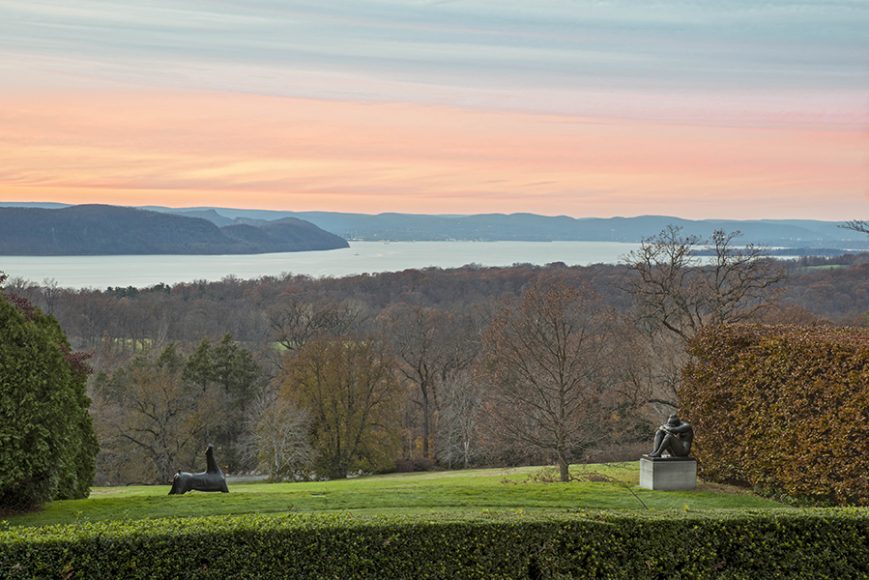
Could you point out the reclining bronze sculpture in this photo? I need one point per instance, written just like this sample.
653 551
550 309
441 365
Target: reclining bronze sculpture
211 479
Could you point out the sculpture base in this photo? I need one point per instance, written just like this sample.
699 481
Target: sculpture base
668 473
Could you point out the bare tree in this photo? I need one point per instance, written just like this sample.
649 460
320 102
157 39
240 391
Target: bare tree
459 424
431 345
20 287
544 359
280 438
50 292
678 290
861 226
148 409
296 322
646 367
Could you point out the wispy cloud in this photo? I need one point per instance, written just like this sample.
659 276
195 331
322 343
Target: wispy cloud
473 45
595 106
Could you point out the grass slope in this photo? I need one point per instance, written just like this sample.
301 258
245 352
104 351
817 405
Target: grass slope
608 487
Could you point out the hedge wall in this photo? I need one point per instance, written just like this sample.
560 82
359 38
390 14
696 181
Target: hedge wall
819 543
784 409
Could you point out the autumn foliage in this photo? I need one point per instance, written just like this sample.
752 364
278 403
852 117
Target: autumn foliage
784 409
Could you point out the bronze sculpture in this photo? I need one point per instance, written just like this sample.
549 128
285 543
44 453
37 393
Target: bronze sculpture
211 479
674 438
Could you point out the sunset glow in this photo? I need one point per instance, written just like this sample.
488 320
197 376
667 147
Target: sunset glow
267 133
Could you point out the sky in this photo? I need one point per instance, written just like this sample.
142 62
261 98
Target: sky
695 108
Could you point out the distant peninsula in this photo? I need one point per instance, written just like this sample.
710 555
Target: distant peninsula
88 230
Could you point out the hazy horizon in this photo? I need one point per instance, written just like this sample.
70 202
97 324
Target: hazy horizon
6 203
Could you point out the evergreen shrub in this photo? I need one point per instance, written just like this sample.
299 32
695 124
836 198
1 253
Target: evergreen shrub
47 443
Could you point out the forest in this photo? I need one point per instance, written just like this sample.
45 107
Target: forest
298 378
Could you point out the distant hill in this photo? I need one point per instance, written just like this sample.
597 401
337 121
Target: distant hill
531 227
105 229
206 214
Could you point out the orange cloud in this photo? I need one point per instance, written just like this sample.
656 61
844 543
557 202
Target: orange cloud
184 149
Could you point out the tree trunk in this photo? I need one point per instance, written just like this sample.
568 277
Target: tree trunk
563 468
426 427
338 469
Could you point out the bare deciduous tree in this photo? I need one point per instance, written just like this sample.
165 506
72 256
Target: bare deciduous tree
50 292
431 345
544 361
861 226
149 407
295 322
462 405
679 290
646 366
280 438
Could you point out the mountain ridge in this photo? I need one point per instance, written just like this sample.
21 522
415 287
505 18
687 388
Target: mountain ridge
534 227
114 230
524 226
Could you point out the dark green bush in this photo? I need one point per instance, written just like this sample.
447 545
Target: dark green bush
784 409
47 443
820 543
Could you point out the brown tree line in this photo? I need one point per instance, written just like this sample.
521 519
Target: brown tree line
129 319
296 377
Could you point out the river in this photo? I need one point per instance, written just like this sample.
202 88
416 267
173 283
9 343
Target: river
359 258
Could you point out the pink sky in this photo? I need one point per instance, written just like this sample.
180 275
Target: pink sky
232 150
730 109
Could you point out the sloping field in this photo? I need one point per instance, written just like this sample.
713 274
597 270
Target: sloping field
608 487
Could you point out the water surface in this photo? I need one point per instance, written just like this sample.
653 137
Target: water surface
360 257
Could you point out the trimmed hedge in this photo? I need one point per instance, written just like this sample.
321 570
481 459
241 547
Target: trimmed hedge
784 409
819 543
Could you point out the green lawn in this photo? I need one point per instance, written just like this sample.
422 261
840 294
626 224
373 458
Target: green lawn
610 487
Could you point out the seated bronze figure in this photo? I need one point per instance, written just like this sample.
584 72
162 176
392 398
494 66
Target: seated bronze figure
673 438
211 479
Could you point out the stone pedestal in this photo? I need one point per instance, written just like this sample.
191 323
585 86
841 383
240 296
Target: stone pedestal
668 473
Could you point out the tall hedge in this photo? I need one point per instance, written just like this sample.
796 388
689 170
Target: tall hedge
790 543
784 409
47 443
